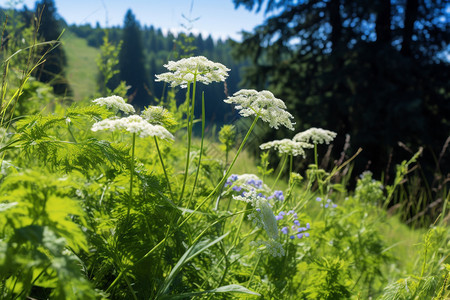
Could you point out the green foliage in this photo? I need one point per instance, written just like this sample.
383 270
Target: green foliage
330 282
369 190
227 136
116 215
263 168
432 281
41 234
107 64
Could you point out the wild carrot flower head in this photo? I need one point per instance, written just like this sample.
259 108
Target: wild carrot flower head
290 225
287 146
115 103
133 124
158 115
197 68
263 104
315 135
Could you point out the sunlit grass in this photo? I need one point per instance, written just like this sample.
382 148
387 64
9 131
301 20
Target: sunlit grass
81 68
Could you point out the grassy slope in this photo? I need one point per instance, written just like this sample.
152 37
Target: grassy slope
82 69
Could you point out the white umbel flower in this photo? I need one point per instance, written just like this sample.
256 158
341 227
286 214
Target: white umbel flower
287 146
264 104
315 135
185 70
116 103
133 124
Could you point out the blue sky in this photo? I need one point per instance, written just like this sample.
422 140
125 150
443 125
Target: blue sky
217 17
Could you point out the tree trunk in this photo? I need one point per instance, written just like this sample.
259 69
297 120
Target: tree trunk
411 9
335 22
383 23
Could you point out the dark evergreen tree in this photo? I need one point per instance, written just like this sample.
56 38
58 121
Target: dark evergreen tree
50 29
132 63
373 69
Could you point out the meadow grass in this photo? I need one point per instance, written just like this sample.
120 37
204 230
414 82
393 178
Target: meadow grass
81 68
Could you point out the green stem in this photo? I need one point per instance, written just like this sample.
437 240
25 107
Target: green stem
291 159
201 150
190 119
253 272
240 226
188 97
219 185
315 156
164 168
131 174
130 288
281 171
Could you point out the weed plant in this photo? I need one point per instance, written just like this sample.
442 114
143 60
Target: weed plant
98 201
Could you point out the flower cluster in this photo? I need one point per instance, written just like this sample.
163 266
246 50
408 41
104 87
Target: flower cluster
115 103
277 195
292 225
231 179
264 105
328 203
198 68
287 146
315 135
133 124
247 182
158 115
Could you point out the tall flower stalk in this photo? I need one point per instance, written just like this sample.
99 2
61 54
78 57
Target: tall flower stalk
187 72
315 136
289 149
263 105
134 124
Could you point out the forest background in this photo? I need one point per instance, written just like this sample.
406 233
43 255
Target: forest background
376 72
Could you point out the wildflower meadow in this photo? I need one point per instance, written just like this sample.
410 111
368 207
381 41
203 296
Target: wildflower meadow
102 200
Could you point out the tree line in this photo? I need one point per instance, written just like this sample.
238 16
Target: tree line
145 50
377 71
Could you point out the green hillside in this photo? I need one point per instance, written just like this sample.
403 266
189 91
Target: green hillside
81 66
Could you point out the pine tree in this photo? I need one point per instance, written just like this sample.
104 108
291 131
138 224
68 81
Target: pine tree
50 29
373 69
131 62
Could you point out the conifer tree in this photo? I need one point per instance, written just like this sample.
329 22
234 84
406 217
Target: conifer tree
132 64
50 29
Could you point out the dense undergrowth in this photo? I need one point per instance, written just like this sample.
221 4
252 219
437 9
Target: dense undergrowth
101 202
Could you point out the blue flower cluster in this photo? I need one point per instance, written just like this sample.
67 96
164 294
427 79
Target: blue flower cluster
328 203
295 230
277 195
255 183
231 179
242 184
